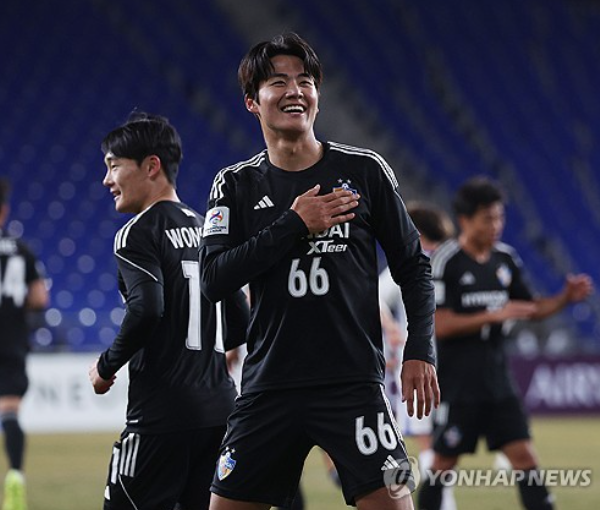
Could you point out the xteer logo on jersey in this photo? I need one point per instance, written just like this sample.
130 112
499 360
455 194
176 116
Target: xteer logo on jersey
330 240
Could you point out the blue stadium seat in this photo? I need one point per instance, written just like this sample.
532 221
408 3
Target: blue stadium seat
507 89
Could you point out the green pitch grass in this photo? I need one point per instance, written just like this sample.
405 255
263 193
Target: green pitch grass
68 471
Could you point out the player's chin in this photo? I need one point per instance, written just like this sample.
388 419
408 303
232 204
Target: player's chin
297 125
123 207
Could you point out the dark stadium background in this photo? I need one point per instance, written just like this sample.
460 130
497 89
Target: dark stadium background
444 89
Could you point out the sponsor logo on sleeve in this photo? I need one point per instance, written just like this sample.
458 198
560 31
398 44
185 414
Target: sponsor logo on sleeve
216 221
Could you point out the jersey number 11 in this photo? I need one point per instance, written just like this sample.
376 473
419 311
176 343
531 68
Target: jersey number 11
191 271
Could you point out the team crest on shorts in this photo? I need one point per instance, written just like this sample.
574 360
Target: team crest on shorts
345 185
453 437
226 464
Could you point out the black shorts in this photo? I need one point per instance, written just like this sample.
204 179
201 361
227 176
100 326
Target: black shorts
269 435
13 377
156 471
458 426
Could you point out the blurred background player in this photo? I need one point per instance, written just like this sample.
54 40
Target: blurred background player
179 390
22 288
480 287
435 226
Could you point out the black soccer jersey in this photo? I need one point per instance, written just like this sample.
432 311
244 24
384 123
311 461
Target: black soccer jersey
171 335
473 367
314 298
18 268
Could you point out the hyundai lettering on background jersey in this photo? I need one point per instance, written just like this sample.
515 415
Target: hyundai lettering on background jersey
465 286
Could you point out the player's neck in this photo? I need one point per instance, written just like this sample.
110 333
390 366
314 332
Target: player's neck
477 251
294 155
167 194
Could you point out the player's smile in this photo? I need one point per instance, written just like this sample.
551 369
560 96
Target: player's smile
294 109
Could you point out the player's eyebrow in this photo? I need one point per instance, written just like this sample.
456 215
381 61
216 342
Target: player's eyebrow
284 75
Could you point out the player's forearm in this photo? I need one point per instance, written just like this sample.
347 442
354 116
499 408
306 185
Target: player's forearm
420 311
225 270
145 307
449 324
132 337
548 306
419 302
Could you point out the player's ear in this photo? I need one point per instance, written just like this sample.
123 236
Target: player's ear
251 104
463 222
152 165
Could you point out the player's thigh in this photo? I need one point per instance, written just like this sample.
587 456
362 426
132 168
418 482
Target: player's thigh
354 424
263 453
147 471
508 422
203 455
13 378
457 428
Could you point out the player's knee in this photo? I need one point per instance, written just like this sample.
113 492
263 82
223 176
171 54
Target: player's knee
9 405
382 499
443 463
521 455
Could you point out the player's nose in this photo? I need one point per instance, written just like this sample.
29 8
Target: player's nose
294 89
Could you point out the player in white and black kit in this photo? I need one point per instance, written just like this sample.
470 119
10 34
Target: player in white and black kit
435 227
180 393
22 288
299 222
480 285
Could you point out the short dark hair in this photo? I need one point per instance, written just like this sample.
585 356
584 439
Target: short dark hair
477 192
256 65
4 191
433 222
146 135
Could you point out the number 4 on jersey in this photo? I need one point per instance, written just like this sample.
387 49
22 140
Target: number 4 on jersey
12 282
